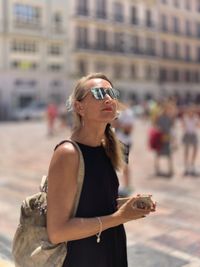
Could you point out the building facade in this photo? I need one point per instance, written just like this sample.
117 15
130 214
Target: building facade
147 47
33 45
179 46
118 38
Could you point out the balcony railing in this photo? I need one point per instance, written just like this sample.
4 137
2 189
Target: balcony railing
29 25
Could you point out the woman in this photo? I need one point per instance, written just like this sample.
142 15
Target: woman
165 123
190 124
96 236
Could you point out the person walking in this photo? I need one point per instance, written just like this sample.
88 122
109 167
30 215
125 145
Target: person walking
164 124
51 113
190 123
96 235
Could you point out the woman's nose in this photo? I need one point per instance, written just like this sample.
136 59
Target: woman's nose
107 98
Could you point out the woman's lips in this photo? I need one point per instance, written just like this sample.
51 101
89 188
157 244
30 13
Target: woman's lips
107 109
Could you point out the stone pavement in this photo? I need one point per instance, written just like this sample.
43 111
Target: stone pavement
168 238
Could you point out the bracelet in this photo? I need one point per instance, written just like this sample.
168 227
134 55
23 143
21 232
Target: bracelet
100 230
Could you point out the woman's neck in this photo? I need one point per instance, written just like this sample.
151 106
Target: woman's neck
88 136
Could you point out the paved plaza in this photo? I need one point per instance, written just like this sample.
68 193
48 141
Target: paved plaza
168 238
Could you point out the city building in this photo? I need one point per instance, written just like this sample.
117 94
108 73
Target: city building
179 47
118 38
33 58
148 48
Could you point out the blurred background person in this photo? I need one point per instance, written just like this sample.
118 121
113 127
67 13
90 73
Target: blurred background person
52 113
124 126
190 123
164 123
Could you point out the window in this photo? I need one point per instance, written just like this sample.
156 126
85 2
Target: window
163 75
55 50
176 25
118 41
187 4
133 72
165 49
101 9
198 29
118 12
176 51
187 53
188 76
24 46
82 67
57 21
134 15
188 28
149 22
164 25
55 67
82 37
24 65
82 7
175 75
151 49
176 3
135 44
196 76
101 39
198 54
148 72
27 13
198 5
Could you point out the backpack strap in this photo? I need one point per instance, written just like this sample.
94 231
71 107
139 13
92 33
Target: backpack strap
80 178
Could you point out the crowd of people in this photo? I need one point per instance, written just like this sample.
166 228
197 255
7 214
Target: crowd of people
162 139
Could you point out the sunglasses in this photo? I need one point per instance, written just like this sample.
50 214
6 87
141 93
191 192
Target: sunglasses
99 93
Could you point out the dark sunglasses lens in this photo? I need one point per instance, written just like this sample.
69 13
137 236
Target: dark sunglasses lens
113 93
99 93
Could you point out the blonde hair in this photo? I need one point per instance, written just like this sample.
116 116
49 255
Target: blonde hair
111 144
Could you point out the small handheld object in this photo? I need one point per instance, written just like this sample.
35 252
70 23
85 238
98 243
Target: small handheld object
143 202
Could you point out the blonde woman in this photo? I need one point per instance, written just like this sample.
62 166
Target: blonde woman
96 235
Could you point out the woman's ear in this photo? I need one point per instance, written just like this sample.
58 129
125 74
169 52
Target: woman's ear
78 106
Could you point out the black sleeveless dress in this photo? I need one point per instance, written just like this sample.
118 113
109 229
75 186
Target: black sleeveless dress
98 198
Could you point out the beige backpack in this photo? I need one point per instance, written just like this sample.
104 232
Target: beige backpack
31 246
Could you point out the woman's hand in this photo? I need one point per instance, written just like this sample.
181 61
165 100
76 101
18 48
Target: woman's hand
128 208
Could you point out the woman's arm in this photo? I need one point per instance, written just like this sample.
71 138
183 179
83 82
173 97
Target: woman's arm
62 186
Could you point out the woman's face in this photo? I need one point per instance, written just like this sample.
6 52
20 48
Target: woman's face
91 109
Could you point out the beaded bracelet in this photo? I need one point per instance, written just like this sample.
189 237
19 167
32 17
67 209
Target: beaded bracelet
100 230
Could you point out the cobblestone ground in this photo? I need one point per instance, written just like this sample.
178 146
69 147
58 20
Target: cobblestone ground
168 238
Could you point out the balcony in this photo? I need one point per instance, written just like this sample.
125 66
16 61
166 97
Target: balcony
34 25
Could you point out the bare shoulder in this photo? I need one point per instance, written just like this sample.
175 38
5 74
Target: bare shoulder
67 152
62 183
64 162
